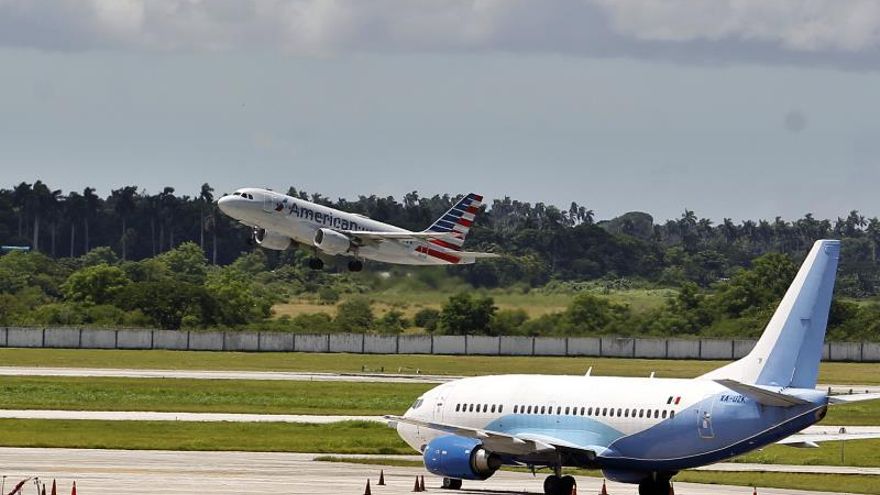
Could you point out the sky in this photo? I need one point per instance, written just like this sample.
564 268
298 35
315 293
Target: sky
732 108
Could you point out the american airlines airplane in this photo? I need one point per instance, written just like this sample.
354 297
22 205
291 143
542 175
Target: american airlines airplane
279 221
640 430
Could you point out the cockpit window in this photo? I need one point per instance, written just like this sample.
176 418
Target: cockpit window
417 403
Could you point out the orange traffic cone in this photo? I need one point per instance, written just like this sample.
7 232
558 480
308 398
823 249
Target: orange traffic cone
44 489
603 491
671 489
367 489
73 490
416 487
381 478
54 489
422 485
755 491
574 490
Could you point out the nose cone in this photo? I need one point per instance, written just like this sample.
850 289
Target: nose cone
226 204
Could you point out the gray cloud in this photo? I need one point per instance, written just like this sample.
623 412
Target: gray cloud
841 33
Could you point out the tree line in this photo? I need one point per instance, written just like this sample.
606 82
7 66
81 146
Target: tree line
539 242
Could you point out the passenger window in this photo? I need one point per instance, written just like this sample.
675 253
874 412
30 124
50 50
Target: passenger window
590 411
471 408
558 409
656 413
500 407
457 407
641 413
566 410
671 414
664 414
542 409
604 411
618 412
493 408
485 407
529 410
514 409
611 413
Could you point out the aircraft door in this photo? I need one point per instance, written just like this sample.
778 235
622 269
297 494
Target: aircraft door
440 402
704 418
271 202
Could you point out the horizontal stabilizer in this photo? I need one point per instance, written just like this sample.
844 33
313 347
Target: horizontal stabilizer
762 395
850 398
476 254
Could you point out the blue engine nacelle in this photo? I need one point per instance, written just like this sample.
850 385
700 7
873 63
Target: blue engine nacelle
458 457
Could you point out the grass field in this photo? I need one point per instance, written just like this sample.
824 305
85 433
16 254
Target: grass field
843 373
356 437
534 303
230 396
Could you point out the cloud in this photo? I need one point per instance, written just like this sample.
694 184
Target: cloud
843 33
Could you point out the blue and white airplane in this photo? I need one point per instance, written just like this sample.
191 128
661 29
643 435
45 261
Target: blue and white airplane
640 430
278 221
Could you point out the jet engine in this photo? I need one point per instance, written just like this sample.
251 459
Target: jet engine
271 240
458 457
332 242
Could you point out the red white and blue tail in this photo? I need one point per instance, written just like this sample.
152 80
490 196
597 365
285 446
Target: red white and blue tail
457 222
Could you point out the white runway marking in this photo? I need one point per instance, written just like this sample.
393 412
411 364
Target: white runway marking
105 472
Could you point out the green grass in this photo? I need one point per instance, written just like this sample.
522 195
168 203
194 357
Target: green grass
820 482
234 396
843 373
347 437
863 453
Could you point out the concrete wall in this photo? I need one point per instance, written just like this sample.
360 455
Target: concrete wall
550 346
516 346
721 349
134 339
716 349
24 337
414 344
482 344
311 343
346 342
380 344
845 351
617 347
449 344
276 342
584 346
61 337
177 340
683 349
241 341
649 348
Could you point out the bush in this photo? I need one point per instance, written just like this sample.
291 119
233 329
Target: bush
391 322
354 316
94 284
427 318
508 322
328 295
465 314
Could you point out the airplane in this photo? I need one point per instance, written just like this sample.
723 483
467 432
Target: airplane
640 430
279 220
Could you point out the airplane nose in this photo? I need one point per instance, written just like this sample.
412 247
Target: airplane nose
225 203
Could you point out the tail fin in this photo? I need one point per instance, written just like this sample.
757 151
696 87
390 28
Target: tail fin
789 350
457 221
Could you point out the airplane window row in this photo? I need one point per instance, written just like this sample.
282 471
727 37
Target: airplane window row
597 411
479 408
243 195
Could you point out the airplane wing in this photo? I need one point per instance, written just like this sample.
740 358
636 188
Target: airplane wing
505 443
812 440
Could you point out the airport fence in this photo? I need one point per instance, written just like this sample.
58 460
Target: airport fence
619 347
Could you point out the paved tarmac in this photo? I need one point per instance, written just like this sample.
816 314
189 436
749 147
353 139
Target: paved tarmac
104 472
180 416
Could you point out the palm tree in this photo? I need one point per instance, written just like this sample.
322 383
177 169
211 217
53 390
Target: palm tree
91 202
39 206
124 205
206 200
74 206
21 198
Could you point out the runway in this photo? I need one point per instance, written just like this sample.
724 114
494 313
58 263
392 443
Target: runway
105 472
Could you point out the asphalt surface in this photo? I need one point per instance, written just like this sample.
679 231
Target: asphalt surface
100 472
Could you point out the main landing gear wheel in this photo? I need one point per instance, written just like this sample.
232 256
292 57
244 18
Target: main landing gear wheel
355 265
650 486
559 485
451 484
316 263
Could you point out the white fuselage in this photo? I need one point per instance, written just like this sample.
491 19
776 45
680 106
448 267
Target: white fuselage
300 220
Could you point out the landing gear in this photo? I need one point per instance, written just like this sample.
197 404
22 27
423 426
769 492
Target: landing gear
355 265
559 485
651 486
451 484
316 263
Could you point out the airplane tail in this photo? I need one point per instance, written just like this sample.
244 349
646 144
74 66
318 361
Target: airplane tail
457 221
789 350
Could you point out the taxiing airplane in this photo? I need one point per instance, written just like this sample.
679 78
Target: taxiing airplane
640 430
279 221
